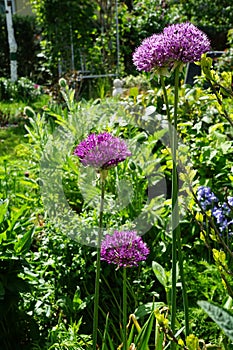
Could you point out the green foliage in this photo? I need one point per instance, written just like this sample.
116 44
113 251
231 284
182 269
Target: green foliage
62 338
54 43
208 13
141 82
61 20
17 329
63 288
165 278
225 63
59 270
21 90
25 35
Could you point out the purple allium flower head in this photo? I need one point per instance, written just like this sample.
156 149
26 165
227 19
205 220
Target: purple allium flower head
185 42
124 248
150 54
181 42
102 151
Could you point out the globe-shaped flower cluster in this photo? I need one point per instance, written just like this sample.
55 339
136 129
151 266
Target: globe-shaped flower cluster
181 42
102 151
124 248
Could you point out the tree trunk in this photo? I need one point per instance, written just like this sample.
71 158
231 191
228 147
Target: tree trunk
11 40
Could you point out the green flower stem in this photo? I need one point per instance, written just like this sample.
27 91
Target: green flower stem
184 291
176 236
165 97
124 309
166 104
175 212
175 208
178 233
103 175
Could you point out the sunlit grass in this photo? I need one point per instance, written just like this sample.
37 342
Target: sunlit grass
11 112
10 137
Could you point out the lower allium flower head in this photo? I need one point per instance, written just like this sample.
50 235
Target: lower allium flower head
124 248
102 151
181 42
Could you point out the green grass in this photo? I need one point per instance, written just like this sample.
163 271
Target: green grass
10 138
12 131
12 112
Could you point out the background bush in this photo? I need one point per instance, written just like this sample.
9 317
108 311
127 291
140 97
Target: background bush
28 46
63 45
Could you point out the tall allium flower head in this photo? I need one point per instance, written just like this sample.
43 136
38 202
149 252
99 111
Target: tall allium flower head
102 151
150 54
124 248
181 42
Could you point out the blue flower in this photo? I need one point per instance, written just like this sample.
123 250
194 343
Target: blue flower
221 212
220 215
206 197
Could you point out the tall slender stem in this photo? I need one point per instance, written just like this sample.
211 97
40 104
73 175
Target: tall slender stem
176 235
165 98
103 175
124 309
175 209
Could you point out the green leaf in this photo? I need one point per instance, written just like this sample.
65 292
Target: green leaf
30 113
222 317
3 236
3 210
143 337
76 298
24 242
72 165
160 273
146 309
134 92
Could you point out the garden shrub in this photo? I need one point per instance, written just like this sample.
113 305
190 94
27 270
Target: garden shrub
60 269
21 90
18 330
25 34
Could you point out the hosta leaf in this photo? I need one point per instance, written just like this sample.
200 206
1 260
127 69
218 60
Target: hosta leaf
160 273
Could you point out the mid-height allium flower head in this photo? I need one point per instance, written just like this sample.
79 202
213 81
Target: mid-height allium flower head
181 42
124 248
102 151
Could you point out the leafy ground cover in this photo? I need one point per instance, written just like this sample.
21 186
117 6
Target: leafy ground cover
50 207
